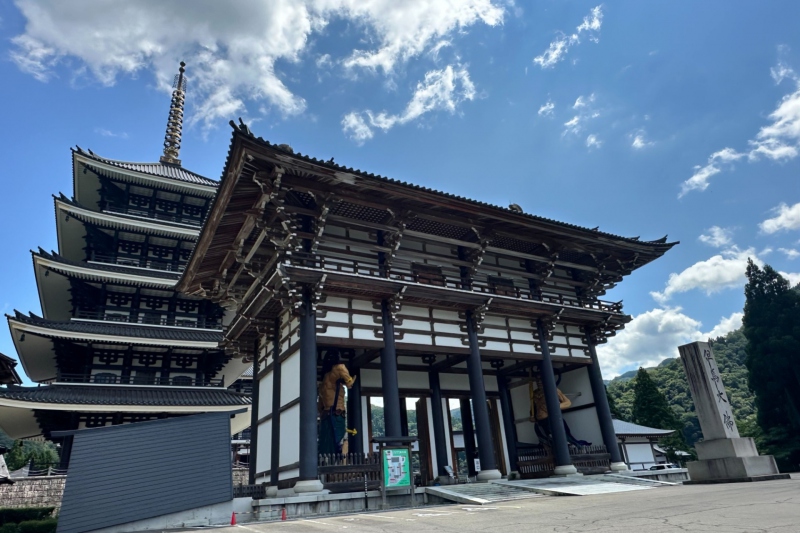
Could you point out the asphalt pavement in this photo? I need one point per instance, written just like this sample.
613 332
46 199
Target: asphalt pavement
770 506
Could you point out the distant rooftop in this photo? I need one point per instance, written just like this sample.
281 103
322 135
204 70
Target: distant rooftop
629 429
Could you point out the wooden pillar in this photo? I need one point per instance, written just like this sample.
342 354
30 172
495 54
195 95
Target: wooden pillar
390 387
481 410
309 457
563 461
469 435
251 471
601 405
404 417
438 422
509 425
275 447
355 414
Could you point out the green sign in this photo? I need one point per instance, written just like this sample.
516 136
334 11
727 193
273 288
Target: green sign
396 468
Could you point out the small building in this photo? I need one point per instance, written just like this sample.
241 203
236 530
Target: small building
638 444
426 296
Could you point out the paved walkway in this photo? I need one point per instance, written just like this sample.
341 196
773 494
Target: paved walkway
772 506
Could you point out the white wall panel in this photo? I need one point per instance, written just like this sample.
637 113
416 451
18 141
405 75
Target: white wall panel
265 395
264 450
290 436
290 378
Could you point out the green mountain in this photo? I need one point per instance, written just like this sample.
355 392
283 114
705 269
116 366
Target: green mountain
670 378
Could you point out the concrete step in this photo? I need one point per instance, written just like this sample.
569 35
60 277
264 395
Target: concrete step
481 493
581 485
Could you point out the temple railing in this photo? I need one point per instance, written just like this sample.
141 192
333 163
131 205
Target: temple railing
340 472
138 262
145 319
107 378
154 214
537 461
480 283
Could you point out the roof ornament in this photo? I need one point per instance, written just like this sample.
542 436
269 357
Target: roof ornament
172 139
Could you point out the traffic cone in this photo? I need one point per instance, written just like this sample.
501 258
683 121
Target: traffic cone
233 518
283 513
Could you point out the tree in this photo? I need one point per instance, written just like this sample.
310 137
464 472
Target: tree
650 408
39 454
612 406
772 328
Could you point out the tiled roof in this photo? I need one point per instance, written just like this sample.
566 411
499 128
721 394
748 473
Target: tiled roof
629 429
120 269
8 375
247 373
160 170
244 130
125 395
121 329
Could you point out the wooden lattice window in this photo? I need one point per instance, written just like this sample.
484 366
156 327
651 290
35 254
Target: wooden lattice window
428 274
502 286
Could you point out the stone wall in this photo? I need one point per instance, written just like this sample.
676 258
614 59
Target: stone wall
33 492
240 476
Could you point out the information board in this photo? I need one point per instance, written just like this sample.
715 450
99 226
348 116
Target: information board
396 468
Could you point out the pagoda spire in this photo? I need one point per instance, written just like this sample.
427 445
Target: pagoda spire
172 139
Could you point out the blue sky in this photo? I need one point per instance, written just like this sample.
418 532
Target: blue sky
645 118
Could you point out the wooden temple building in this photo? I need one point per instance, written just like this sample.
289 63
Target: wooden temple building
115 343
426 295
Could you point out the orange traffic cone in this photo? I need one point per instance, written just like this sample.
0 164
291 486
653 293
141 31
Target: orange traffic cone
233 518
283 513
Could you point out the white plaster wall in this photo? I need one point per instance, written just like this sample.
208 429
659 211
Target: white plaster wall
290 378
640 453
584 425
574 382
290 436
454 381
520 399
265 395
264 449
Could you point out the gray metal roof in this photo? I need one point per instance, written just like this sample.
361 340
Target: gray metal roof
629 429
244 130
160 170
121 329
105 267
126 395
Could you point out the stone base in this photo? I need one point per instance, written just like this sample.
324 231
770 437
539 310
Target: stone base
723 448
445 480
565 470
740 480
732 468
308 485
619 467
488 475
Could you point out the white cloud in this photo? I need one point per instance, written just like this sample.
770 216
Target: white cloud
547 109
108 133
777 141
717 237
793 277
231 49
782 70
561 45
786 218
654 336
791 253
725 326
640 142
584 108
699 180
593 142
441 90
722 271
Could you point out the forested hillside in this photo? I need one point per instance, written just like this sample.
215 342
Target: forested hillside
671 380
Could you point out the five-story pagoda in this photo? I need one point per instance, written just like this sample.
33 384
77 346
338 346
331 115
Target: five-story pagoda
115 342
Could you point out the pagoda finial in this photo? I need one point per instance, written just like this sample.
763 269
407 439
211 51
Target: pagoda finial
172 139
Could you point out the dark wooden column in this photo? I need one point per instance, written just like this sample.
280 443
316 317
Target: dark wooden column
355 415
481 410
403 417
560 447
469 435
601 405
254 414
438 421
275 448
509 425
309 478
390 387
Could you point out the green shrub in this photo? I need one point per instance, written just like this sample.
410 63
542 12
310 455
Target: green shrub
9 528
38 526
22 514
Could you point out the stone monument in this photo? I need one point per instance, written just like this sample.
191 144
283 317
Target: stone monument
724 456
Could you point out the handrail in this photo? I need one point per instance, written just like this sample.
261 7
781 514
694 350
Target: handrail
151 213
138 262
114 379
149 320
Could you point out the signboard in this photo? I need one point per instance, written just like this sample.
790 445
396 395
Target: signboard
710 400
477 465
396 468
